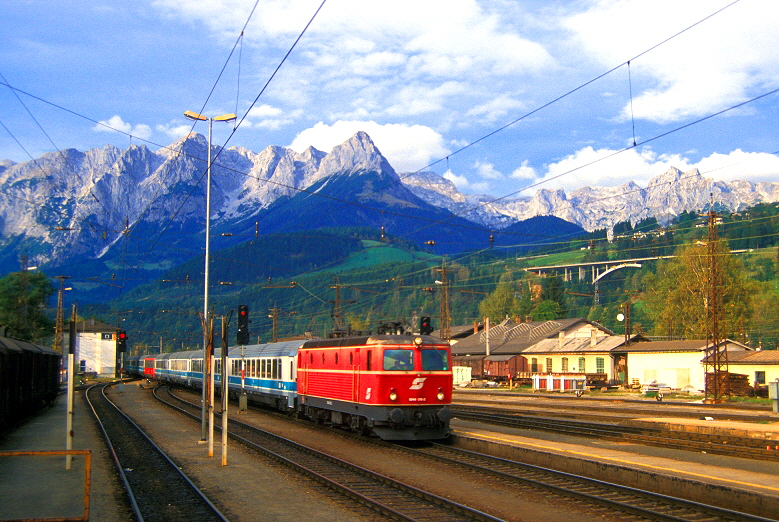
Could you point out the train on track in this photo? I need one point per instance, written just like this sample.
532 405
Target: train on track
398 387
29 379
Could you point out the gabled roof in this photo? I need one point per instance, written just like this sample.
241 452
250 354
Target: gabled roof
513 338
577 345
698 345
93 326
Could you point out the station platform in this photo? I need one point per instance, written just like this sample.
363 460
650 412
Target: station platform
40 487
739 484
768 432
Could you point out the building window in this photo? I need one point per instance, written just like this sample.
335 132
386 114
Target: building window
759 377
600 365
548 365
564 365
582 368
534 365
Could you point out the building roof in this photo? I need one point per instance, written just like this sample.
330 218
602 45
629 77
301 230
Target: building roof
459 332
509 338
577 345
93 326
754 357
680 346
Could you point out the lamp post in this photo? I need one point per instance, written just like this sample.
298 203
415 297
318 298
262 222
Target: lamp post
206 360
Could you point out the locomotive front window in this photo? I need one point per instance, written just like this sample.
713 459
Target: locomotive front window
435 360
398 360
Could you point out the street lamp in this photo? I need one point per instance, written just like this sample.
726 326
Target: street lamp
206 364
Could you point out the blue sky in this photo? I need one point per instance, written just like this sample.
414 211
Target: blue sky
424 78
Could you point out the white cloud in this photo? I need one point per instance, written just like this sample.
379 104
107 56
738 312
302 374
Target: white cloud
117 124
272 118
175 131
463 184
722 61
740 165
407 147
487 170
525 172
497 108
611 168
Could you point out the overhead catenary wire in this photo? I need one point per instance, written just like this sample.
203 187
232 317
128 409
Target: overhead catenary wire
447 156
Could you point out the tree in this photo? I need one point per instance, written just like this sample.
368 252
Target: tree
547 310
677 295
500 303
552 290
23 299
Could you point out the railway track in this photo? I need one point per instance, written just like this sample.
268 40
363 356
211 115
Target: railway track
386 496
157 488
628 500
589 408
743 447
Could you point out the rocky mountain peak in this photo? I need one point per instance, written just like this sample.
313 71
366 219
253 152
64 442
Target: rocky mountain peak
356 154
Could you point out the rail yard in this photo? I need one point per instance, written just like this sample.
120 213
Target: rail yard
489 469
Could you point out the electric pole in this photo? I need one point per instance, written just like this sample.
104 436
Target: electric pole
716 358
445 316
60 321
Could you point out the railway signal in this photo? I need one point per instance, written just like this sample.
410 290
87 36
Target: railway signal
121 341
243 324
425 325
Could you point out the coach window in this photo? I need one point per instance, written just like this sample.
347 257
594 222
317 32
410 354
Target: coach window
368 360
435 360
398 360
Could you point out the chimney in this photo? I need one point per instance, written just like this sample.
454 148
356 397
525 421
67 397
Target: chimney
475 327
560 336
593 342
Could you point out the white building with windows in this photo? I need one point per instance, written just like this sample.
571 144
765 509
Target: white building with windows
678 364
95 348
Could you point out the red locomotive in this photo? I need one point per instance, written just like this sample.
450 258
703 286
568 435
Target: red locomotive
396 386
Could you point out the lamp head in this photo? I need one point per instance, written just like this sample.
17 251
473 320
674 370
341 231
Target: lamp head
194 116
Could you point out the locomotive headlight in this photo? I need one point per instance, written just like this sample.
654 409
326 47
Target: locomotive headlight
393 395
418 341
440 395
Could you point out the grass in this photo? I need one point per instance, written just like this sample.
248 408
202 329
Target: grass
376 253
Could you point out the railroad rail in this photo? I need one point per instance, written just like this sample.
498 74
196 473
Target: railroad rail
389 497
629 500
156 487
601 406
743 447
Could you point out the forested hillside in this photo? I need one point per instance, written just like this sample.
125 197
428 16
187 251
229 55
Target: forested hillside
296 277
